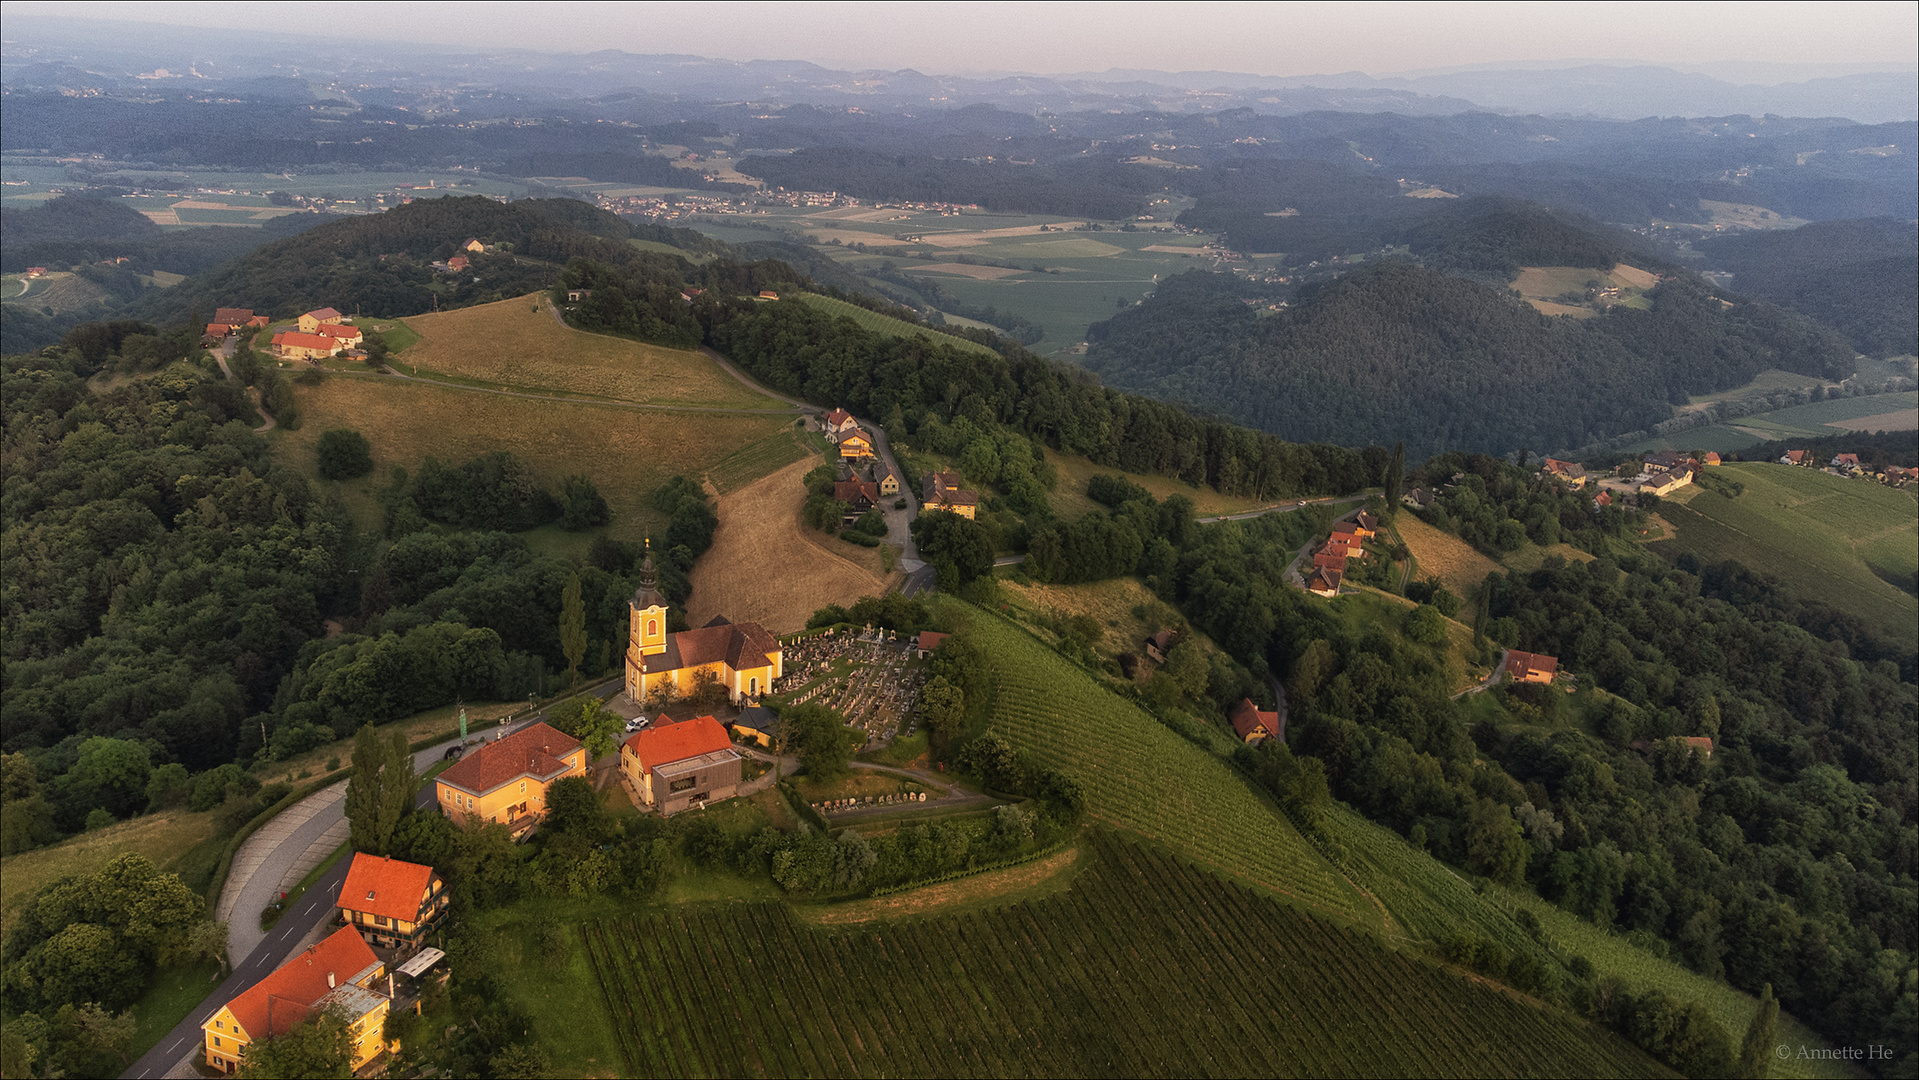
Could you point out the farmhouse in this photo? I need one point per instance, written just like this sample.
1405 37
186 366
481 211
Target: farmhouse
942 492
1253 724
741 657
349 335
506 780
1709 458
339 973
1848 462
473 245
1530 667
1796 457
393 904
1324 581
1571 472
311 322
294 345
680 766
574 296
858 495
1666 461
1418 498
1661 483
1368 525
238 318
456 264
889 484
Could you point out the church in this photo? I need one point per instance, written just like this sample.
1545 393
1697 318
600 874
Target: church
742 657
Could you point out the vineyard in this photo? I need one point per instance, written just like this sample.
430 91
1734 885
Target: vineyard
1428 900
1146 779
1145 966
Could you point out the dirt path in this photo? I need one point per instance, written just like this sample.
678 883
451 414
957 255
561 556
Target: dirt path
764 567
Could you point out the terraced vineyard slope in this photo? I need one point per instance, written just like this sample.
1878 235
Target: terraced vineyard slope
1144 967
882 324
1143 778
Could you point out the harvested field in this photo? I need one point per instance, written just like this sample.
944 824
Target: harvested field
1547 307
980 273
1175 249
1634 276
1002 886
519 343
765 567
1070 500
626 453
1899 420
1444 556
975 239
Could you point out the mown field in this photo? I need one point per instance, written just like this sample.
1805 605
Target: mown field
1144 966
626 453
1069 498
890 327
166 839
1873 412
1838 541
1142 777
519 344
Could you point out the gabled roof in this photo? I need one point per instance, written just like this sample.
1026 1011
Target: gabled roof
662 745
730 643
838 417
1367 521
1525 663
1248 718
1324 579
297 340
233 316
756 718
852 492
335 330
534 750
389 887
930 639
325 313
292 991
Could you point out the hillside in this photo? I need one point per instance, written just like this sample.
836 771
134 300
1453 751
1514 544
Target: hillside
1849 543
379 264
1393 351
1859 277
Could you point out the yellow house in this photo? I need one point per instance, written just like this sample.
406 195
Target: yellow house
340 973
311 322
741 657
392 904
856 445
942 492
506 780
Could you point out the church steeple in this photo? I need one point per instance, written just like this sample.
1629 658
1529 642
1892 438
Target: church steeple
647 636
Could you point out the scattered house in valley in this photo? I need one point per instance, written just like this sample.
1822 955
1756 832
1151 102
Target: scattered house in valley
755 724
1324 581
340 973
1158 644
889 484
1896 474
1848 462
742 657
473 245
456 264
1568 472
942 492
311 322
239 318
393 904
1666 461
856 445
36 272
927 641
839 421
1708 458
216 333
1417 498
1368 525
1253 724
674 767
1796 457
1667 482
858 495
341 332
574 296
1331 556
1530 667
1601 501
295 345
688 295
506 780
768 294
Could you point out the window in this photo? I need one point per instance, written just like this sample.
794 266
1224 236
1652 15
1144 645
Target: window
379 920
685 783
522 787
216 1040
652 627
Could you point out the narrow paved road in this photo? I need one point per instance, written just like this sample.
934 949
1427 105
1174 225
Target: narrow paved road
1492 677
260 952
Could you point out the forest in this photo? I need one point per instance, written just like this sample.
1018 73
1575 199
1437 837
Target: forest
1395 351
1859 277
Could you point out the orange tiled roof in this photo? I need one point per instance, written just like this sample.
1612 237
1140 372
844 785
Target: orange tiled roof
389 887
664 745
739 645
334 330
1525 663
534 750
1247 718
300 983
305 341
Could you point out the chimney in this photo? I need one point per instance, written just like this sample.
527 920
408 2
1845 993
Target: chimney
329 980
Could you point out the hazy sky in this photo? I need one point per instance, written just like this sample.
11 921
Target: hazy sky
1265 38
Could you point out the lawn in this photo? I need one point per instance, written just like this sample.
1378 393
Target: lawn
626 453
1835 540
167 839
175 993
339 754
519 344
1070 501
1144 778
887 325
1457 564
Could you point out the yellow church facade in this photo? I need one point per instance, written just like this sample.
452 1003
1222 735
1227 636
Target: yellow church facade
743 658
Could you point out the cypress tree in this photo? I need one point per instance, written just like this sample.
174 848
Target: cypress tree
1395 478
1755 1055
